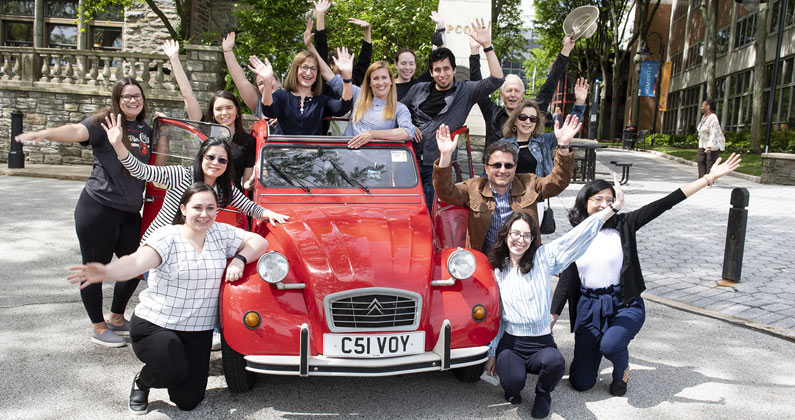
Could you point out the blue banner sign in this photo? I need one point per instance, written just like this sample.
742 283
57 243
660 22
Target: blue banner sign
648 78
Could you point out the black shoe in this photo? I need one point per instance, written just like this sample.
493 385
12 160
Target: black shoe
513 399
618 388
139 397
541 406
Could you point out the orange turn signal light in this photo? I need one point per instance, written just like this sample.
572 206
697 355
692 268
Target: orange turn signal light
479 313
251 319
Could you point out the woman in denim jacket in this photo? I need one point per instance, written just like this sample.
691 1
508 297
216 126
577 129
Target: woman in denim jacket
525 129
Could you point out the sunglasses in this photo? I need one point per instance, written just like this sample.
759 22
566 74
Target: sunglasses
221 161
499 165
525 117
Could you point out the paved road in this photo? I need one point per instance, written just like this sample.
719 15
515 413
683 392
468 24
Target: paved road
684 366
682 251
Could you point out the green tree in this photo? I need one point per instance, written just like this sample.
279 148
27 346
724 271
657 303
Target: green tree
507 29
90 8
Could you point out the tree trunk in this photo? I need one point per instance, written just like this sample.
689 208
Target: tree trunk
709 10
760 73
600 131
615 130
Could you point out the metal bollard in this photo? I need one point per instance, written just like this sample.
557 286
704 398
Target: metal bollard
16 158
735 236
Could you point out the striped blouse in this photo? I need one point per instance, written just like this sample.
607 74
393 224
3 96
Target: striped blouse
526 298
177 179
373 117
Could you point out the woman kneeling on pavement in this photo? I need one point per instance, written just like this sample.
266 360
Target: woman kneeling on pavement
172 326
523 269
603 286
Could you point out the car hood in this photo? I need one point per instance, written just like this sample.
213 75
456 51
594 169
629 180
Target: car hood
337 248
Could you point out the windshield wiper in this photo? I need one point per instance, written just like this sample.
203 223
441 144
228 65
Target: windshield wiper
287 177
348 178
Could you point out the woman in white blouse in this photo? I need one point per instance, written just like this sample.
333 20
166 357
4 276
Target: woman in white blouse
710 138
523 269
171 329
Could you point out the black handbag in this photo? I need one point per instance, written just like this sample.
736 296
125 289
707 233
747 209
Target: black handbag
548 223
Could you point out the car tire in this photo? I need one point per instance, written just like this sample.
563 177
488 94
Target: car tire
238 379
469 373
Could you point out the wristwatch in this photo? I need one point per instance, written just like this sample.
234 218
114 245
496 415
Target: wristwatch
615 210
347 80
489 48
241 258
563 147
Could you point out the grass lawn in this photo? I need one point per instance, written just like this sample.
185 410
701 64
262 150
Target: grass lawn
751 165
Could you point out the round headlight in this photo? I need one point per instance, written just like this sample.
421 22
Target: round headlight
461 264
273 267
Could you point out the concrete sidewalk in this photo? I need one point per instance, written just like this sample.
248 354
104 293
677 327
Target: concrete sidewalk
37 170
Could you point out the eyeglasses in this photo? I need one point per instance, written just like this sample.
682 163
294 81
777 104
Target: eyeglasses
598 199
127 98
515 235
499 165
220 160
307 69
525 117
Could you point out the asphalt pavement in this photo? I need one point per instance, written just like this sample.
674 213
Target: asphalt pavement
684 365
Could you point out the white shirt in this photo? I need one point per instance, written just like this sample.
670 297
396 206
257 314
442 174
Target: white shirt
182 292
600 265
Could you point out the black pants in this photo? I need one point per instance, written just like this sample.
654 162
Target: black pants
518 356
102 232
177 360
706 160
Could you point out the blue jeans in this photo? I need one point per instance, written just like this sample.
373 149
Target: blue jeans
426 176
518 356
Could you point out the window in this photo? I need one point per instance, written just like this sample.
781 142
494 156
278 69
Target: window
61 36
739 104
671 115
691 100
722 41
744 31
17 20
104 38
785 89
18 7
695 54
62 9
676 63
681 10
18 34
773 9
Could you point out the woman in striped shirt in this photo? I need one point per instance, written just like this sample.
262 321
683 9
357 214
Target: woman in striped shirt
523 269
210 167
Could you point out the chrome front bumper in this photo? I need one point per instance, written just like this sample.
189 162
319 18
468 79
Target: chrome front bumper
442 357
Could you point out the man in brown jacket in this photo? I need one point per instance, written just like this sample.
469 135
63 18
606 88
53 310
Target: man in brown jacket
492 199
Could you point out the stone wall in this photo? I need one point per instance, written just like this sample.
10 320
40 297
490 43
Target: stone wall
778 168
143 30
52 104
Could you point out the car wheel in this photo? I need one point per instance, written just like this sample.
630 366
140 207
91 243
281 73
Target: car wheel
469 373
238 379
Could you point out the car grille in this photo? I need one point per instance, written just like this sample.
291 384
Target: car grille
374 312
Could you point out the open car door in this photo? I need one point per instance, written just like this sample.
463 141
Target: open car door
184 139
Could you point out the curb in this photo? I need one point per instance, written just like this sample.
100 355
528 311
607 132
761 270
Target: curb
752 178
34 173
783 333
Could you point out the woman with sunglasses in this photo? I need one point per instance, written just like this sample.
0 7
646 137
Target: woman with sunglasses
211 167
525 129
604 284
523 269
107 215
301 107
223 108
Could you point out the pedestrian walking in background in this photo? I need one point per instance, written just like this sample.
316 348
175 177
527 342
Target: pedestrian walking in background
710 138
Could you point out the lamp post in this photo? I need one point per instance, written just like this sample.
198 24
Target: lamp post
645 52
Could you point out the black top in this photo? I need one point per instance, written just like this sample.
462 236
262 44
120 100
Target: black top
109 183
435 102
527 162
631 278
403 88
244 151
295 120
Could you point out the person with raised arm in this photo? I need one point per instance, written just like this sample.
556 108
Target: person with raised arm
523 268
406 60
492 199
603 285
171 328
223 108
447 101
107 214
321 44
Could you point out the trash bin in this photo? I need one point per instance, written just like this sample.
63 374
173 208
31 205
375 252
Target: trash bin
630 137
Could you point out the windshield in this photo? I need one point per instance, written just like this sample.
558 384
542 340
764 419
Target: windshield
336 166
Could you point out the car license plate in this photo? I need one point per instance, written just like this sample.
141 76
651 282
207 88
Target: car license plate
373 345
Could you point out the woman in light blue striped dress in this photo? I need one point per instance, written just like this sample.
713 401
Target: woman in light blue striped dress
376 114
523 269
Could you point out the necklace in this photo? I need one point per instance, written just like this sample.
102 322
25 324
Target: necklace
304 98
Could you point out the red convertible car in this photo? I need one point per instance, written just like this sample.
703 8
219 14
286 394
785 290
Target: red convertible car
361 281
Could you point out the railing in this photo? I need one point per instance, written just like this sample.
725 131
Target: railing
82 67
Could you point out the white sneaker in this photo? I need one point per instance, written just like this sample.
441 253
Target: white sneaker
216 341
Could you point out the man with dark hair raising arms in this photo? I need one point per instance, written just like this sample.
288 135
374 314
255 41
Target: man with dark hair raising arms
447 101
